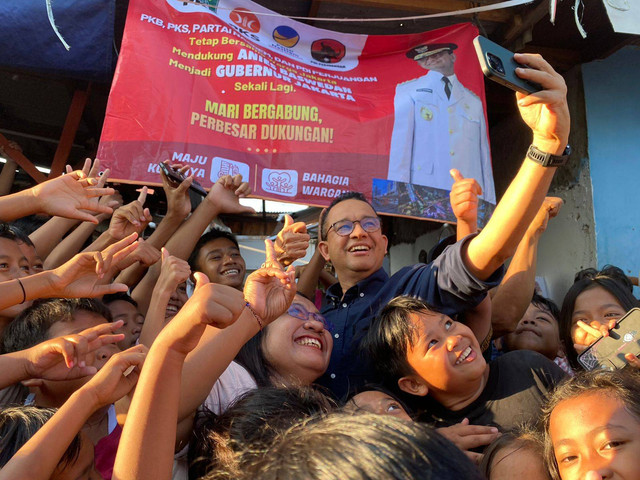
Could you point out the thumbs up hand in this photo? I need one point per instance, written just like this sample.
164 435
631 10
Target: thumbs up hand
292 241
464 198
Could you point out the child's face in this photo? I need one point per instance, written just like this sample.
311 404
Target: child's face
537 331
221 261
380 403
83 468
133 321
176 301
518 462
594 437
35 262
595 304
446 354
13 264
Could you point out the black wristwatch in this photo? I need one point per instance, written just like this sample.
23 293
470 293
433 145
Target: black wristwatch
546 159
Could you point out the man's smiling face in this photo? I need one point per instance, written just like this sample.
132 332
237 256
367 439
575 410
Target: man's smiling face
359 253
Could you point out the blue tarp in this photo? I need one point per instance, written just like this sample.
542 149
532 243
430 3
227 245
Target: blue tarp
27 40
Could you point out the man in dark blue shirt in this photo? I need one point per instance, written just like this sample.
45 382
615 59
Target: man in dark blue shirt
460 277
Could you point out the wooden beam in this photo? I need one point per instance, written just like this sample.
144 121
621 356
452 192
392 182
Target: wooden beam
432 6
71 124
313 10
525 23
20 159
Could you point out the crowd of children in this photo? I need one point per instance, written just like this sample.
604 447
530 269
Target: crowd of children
158 357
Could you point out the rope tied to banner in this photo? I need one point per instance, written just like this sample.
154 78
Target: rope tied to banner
52 22
486 8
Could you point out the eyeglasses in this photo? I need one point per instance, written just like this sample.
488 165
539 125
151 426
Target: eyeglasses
345 227
298 311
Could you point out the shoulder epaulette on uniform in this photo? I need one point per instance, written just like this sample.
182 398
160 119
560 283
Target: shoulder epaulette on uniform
409 81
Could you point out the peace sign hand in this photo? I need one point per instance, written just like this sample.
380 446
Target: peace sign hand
270 289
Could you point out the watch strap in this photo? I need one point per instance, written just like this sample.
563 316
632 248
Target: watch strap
546 159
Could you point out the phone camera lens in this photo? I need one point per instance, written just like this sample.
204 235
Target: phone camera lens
495 63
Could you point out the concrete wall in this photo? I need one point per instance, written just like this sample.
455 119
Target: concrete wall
612 96
405 254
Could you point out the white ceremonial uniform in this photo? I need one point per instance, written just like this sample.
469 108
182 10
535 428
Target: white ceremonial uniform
433 134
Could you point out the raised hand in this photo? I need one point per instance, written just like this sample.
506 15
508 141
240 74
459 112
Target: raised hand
178 201
64 358
270 289
112 201
68 195
292 241
117 377
146 254
89 168
464 197
211 304
106 200
80 276
546 112
130 218
549 209
226 192
174 271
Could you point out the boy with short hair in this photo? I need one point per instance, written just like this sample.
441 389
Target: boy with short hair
539 330
438 363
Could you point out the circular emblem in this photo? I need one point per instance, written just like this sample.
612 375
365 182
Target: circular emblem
328 50
245 19
426 113
286 36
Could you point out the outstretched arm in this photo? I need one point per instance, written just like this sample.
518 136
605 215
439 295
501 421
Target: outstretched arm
65 196
47 239
174 271
62 358
147 444
513 296
79 277
547 114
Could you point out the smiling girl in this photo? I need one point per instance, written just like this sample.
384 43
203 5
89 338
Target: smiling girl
592 425
591 307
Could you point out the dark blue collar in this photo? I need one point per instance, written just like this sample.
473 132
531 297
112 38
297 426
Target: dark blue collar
334 292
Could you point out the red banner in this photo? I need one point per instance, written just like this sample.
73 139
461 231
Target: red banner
303 113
